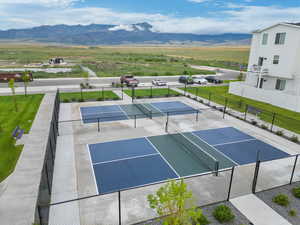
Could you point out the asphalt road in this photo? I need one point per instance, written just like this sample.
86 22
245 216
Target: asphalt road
223 74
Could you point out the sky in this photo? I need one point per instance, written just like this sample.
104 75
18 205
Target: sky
178 16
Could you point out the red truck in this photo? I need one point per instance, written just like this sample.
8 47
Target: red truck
5 77
129 80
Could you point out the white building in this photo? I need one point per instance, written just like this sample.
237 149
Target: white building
274 67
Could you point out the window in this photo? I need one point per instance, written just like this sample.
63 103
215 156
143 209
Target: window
265 39
280 84
280 38
276 59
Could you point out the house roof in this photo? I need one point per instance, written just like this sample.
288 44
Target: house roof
295 25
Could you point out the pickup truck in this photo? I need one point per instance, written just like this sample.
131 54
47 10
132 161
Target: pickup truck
129 80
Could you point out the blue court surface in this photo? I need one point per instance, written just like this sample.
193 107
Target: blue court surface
131 163
123 112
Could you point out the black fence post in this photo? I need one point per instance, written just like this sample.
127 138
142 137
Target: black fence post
295 164
168 91
209 98
230 183
273 120
246 110
98 122
197 89
122 89
184 89
197 115
255 177
134 121
120 211
224 111
81 94
167 122
132 93
103 93
40 215
151 92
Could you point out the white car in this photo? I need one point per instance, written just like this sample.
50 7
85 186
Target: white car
159 83
199 80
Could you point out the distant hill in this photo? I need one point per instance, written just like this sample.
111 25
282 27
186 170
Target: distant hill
101 34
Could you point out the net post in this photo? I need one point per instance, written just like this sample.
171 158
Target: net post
103 93
151 92
254 183
230 183
119 204
98 123
217 168
197 115
273 120
122 89
134 121
224 111
167 122
295 164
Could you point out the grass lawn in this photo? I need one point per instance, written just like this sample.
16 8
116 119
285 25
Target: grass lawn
156 92
76 72
284 118
94 95
9 119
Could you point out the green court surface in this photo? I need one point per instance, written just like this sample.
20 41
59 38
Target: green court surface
183 162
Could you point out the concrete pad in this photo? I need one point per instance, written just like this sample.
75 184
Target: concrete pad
258 212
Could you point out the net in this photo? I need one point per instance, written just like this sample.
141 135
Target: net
200 151
143 108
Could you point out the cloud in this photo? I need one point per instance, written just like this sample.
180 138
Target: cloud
235 19
47 3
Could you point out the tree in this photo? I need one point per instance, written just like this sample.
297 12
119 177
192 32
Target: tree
26 79
175 204
11 85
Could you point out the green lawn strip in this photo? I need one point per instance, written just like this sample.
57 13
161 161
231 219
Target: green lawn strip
284 118
156 92
9 119
87 95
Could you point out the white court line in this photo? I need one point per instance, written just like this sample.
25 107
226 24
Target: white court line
128 158
88 148
162 157
234 142
123 112
216 149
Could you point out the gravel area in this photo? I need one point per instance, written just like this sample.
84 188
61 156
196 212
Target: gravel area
267 196
239 219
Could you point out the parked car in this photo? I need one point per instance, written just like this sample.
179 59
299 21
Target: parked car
199 80
186 80
212 79
129 80
159 82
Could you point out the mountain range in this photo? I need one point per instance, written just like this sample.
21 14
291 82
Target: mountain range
101 34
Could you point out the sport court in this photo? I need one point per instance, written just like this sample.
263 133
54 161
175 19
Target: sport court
119 165
93 114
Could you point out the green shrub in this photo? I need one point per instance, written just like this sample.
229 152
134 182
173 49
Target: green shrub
296 192
279 132
281 199
99 99
203 220
264 127
293 212
294 139
66 100
223 213
73 99
253 122
115 98
81 100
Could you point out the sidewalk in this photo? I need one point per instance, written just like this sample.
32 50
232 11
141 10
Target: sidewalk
257 211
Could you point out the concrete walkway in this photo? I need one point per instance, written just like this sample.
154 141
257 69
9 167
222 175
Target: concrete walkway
90 72
258 212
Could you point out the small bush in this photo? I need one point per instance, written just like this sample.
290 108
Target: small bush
203 220
99 99
279 132
264 127
66 100
253 122
73 99
115 98
281 199
81 100
201 101
296 192
223 213
293 212
294 139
